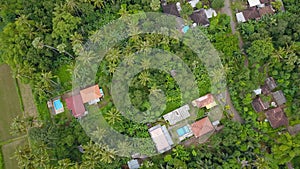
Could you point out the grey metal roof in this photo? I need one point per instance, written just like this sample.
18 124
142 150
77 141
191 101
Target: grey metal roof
177 115
133 164
279 97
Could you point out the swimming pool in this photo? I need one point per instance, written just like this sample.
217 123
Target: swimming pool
57 105
183 130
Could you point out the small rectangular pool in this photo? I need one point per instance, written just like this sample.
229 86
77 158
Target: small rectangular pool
57 105
183 130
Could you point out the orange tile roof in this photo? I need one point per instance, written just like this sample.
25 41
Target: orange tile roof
204 100
202 127
90 93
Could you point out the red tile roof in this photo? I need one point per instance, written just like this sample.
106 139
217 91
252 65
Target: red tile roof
277 117
202 127
265 10
251 13
90 93
204 100
75 104
258 105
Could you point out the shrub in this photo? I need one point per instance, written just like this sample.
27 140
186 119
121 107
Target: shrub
217 4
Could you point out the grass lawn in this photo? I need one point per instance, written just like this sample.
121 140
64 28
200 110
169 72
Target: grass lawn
8 151
65 76
9 102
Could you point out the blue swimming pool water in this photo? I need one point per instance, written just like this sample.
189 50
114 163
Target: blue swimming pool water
101 91
182 131
185 29
57 104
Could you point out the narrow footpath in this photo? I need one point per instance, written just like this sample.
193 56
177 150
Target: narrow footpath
227 10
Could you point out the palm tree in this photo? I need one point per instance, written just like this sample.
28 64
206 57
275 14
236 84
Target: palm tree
92 155
65 164
146 63
98 134
76 38
38 43
98 3
144 78
18 126
123 11
113 116
124 148
72 6
86 57
24 157
108 155
112 68
113 55
129 60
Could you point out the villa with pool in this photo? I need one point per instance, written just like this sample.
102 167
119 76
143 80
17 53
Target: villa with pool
182 124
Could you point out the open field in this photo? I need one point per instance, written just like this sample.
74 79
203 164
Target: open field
27 98
9 102
8 151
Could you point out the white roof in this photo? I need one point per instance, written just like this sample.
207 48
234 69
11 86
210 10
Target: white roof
133 164
193 3
210 13
257 91
253 3
161 138
178 6
177 115
240 17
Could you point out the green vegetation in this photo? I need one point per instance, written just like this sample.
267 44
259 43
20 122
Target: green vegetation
9 102
8 153
1 159
50 34
217 4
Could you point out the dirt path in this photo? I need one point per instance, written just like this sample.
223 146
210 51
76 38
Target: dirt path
227 10
232 110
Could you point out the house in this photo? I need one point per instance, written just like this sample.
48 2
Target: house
55 106
269 85
133 164
240 17
253 3
171 9
268 2
265 10
205 101
161 138
91 95
279 97
177 115
251 13
277 117
202 127
193 3
210 13
258 105
75 104
199 17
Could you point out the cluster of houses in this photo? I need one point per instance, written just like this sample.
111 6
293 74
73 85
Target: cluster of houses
271 102
255 10
199 16
181 125
76 101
